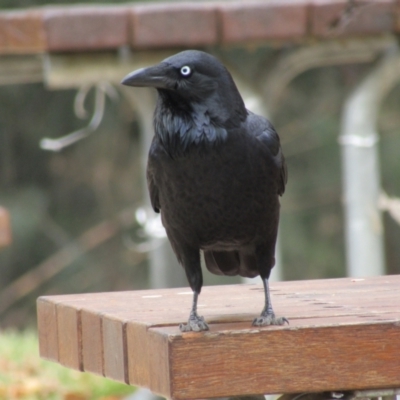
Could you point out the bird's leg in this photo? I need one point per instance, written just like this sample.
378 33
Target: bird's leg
191 262
267 316
196 322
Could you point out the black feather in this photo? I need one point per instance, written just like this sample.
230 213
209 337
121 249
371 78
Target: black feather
215 171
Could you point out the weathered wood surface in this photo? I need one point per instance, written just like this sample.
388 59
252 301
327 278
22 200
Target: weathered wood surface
344 334
5 228
98 27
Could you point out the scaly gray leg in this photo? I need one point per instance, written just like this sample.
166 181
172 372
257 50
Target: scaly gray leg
195 323
267 316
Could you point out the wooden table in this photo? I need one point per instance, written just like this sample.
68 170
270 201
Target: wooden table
344 334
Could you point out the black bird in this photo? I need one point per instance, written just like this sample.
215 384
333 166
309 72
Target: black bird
215 172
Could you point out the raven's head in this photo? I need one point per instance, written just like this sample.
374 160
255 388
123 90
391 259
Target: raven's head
195 79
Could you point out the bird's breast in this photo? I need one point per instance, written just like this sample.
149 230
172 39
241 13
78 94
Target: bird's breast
220 196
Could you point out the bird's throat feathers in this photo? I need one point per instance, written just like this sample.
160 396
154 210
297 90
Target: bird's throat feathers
189 127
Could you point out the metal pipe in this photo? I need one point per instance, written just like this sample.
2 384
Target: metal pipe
361 168
317 55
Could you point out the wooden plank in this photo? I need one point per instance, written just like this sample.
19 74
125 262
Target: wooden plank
5 228
138 345
69 336
47 329
344 334
92 342
115 364
148 355
284 360
159 363
303 299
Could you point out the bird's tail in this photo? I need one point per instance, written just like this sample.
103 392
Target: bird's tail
231 263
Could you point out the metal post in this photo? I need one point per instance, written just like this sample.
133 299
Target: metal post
361 169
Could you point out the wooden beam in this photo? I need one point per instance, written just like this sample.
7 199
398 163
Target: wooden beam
148 26
344 334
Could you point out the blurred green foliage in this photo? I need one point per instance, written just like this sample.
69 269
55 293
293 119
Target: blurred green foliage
55 197
24 376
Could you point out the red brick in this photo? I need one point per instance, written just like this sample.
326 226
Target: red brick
397 16
367 18
246 21
173 25
21 32
86 28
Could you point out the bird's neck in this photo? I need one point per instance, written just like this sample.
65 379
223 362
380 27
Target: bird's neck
182 128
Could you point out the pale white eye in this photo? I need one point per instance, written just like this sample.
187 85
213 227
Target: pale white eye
186 71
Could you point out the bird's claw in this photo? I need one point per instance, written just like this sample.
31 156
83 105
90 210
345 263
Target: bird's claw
269 319
195 324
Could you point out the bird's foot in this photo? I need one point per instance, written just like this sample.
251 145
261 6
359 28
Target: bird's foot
195 323
269 319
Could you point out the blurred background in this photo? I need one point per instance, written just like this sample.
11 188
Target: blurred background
79 216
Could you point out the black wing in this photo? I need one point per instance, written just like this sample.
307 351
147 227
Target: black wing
151 181
267 135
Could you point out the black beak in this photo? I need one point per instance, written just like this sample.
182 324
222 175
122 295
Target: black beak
148 77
